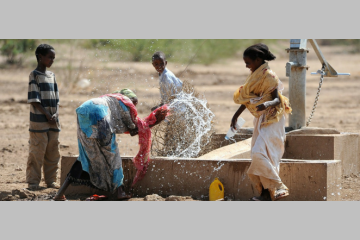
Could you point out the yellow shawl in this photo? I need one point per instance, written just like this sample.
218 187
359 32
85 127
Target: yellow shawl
257 89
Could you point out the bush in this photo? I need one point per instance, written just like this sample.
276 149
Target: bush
13 49
204 51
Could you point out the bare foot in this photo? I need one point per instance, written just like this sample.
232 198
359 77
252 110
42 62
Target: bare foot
121 195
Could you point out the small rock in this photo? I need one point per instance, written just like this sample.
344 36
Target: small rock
63 146
153 197
23 195
175 198
2 165
15 192
4 194
18 169
9 198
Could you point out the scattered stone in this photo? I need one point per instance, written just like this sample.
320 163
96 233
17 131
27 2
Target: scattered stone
6 149
18 169
2 165
15 192
20 193
63 146
23 195
4 194
175 198
153 197
10 198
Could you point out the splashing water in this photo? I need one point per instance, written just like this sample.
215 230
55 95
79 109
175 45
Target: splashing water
187 131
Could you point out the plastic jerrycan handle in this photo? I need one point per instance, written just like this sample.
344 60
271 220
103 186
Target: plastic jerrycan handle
216 190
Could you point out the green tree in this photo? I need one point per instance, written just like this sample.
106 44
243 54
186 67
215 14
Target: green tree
13 49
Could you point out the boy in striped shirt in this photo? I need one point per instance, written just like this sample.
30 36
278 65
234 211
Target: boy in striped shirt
44 128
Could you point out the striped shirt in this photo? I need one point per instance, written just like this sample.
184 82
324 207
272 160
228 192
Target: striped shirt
43 89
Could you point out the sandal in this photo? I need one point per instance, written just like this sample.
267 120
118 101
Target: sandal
121 195
265 196
96 197
124 196
279 194
62 198
255 199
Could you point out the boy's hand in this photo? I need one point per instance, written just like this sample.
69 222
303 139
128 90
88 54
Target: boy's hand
49 118
55 116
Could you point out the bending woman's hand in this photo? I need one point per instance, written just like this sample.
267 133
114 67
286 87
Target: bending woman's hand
161 115
133 132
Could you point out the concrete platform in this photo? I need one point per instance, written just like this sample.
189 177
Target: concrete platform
238 150
344 146
303 144
307 180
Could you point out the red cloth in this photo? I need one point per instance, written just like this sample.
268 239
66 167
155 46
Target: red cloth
142 159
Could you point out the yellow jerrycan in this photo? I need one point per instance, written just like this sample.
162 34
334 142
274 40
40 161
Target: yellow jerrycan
216 190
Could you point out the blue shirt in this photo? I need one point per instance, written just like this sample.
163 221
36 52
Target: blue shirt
169 85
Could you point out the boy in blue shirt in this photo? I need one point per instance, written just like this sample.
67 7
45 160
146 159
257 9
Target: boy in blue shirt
44 128
170 85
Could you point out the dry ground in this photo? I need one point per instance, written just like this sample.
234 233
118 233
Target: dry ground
337 107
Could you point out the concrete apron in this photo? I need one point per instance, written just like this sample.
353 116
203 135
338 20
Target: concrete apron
307 180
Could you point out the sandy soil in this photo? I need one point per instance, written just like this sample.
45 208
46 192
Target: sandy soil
337 107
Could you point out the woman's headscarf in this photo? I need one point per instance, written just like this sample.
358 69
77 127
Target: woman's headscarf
127 92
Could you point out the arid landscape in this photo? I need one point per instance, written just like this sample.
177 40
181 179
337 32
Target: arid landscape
337 107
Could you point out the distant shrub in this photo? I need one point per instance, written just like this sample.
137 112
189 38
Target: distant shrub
13 49
204 51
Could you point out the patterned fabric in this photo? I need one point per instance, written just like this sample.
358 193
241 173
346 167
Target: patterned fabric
141 160
128 93
257 89
169 85
99 120
43 89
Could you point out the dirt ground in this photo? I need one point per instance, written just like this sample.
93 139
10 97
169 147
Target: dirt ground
337 106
